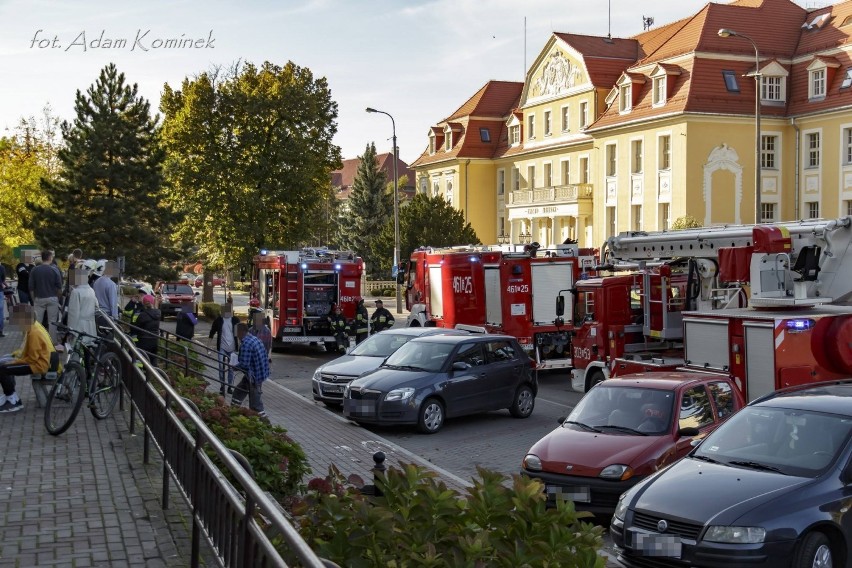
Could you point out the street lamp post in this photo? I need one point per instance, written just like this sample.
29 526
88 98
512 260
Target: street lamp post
725 32
395 209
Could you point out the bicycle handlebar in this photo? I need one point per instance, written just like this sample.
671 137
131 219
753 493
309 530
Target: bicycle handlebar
65 328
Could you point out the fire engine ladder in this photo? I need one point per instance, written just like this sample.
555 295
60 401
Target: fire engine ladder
292 301
659 300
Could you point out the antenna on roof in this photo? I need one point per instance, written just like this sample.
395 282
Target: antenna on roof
647 22
609 19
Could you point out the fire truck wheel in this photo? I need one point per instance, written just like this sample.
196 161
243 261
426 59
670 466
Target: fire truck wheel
524 402
431 416
594 377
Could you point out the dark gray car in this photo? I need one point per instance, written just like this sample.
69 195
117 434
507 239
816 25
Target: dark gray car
433 378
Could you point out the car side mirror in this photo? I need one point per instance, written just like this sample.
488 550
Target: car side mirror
689 431
198 293
460 366
560 305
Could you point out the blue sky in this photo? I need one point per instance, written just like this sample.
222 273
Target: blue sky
417 60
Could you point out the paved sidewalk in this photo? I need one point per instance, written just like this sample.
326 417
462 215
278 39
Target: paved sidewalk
83 498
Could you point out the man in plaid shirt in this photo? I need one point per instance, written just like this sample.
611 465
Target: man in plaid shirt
254 361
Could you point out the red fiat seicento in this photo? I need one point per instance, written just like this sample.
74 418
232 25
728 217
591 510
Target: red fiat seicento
625 429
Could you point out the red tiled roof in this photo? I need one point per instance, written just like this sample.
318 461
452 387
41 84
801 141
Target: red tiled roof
494 99
343 178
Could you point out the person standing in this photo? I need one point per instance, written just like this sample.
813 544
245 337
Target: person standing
106 291
46 288
224 328
254 362
147 328
32 359
2 299
338 328
260 330
82 304
362 322
22 270
381 318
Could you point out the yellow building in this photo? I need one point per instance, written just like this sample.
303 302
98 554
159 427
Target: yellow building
608 135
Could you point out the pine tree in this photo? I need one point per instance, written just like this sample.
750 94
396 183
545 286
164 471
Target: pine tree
107 199
370 208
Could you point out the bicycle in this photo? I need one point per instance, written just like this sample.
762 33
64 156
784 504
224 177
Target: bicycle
91 372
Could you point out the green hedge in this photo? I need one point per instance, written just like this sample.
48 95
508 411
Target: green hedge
211 310
385 292
241 287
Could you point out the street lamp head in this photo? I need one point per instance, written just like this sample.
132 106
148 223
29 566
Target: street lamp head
371 109
725 32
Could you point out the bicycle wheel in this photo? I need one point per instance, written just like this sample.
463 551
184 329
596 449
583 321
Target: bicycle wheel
104 394
65 399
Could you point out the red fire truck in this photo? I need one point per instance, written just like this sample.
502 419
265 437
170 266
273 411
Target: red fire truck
499 289
297 290
767 305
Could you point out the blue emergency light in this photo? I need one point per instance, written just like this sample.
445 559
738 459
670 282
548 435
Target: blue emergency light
263 252
337 267
800 324
304 266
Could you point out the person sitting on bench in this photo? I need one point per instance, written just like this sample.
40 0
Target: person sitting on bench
32 359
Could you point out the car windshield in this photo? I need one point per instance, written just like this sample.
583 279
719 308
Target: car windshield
623 410
381 345
424 356
793 442
177 289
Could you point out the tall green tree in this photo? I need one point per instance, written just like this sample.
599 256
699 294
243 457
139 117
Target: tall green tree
425 221
249 158
108 197
369 208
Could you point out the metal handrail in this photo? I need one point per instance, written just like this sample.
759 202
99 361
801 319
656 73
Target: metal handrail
226 512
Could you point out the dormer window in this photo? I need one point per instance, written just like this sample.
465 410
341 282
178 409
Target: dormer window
431 144
659 91
820 74
624 98
515 134
448 139
663 82
773 83
770 88
436 139
816 84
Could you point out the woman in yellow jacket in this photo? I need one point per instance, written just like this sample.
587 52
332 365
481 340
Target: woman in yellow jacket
32 359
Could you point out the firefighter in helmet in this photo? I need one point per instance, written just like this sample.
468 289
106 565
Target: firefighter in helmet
338 328
362 322
381 318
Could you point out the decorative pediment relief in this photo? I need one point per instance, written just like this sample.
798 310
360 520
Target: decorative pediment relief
556 76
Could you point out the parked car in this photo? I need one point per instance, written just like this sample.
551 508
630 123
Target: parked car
433 378
173 297
331 378
217 281
624 430
769 487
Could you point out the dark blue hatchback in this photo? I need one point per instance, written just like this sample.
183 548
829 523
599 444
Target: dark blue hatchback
770 487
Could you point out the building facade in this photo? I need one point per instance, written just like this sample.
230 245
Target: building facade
609 135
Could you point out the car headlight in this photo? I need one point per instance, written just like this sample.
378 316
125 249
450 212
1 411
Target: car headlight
735 535
617 471
317 375
400 394
532 462
620 509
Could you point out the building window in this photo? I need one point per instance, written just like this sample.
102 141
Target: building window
847 146
813 150
770 89
514 134
548 177
767 212
665 152
448 144
531 177
610 221
432 144
485 135
636 157
847 79
624 102
610 160
566 171
817 83
659 90
531 127
813 209
584 170
636 213
424 186
731 81
584 114
516 179
768 145
665 221
566 125
848 206
501 182
547 123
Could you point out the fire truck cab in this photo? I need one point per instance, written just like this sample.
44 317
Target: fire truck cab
298 289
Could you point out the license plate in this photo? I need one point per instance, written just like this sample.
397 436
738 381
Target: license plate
652 544
333 389
576 494
359 408
292 329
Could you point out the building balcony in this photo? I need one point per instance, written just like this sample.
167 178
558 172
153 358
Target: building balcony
575 193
